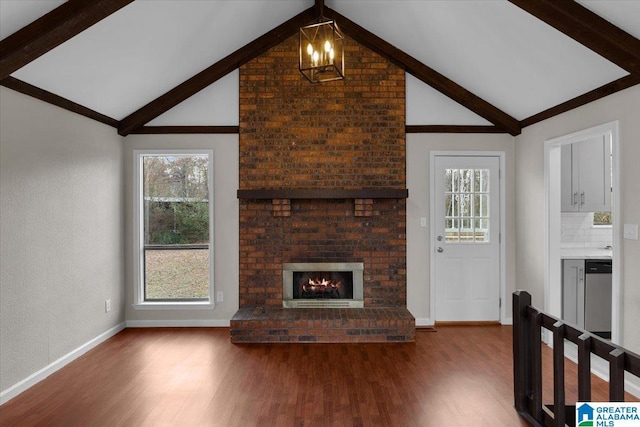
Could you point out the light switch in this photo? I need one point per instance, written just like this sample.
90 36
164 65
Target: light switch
630 231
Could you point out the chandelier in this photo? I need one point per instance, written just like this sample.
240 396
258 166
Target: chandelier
321 52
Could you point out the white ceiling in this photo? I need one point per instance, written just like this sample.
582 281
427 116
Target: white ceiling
491 47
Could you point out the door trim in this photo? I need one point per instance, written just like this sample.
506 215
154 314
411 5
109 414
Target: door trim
432 230
553 270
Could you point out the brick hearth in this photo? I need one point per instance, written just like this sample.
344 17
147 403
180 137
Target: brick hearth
342 135
322 325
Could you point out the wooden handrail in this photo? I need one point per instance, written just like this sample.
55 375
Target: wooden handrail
527 364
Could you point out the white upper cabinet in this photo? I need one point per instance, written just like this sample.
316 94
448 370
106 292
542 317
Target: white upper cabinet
586 175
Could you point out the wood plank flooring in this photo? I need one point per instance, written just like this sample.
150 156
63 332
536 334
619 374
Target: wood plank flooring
454 376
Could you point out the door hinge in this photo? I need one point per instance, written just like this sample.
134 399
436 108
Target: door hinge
499 302
499 173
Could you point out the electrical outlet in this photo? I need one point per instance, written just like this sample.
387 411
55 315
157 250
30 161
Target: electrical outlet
219 296
107 305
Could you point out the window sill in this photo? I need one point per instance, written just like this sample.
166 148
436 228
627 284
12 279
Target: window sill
200 305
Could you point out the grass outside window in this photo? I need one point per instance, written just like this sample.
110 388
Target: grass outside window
181 274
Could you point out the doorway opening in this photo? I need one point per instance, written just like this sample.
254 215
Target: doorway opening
553 299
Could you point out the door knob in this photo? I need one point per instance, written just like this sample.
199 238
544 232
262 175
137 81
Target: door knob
440 249
439 238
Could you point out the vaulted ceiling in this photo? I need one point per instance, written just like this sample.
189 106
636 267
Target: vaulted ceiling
171 66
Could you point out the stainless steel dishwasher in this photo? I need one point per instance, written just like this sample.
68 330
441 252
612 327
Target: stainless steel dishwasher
597 297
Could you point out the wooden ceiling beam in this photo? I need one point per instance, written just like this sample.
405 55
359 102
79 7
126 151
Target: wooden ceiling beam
210 75
53 99
318 8
589 29
452 129
189 129
426 74
593 95
51 30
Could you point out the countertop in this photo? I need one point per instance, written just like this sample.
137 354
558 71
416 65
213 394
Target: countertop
585 253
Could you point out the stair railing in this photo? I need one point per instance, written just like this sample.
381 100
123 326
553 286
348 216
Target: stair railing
527 364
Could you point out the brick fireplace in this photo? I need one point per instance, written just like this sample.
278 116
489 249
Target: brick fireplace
322 180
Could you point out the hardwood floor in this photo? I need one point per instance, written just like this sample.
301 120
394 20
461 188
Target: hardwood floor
454 376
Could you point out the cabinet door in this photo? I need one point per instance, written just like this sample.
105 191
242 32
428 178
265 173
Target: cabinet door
573 291
568 195
594 174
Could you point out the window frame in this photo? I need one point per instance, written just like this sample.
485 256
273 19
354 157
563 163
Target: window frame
602 226
138 235
457 193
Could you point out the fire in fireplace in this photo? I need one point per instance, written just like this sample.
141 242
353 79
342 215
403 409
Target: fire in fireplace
311 285
323 285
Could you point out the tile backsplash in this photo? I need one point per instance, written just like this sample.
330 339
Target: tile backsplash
577 231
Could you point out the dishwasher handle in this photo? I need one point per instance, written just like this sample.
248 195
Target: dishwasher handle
598 266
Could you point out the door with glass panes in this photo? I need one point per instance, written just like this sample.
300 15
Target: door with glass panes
465 239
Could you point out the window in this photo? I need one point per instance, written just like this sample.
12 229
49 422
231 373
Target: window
602 218
174 228
467 205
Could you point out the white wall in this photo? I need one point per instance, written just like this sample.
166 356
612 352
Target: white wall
61 235
226 230
530 198
418 255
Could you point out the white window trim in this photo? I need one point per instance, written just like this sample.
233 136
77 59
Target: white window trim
138 235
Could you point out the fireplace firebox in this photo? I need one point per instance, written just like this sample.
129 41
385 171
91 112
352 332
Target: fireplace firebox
323 285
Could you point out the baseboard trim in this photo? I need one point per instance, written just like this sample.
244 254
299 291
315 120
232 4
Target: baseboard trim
194 323
424 322
43 373
632 387
468 323
427 322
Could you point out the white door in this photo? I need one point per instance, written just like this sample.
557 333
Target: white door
466 238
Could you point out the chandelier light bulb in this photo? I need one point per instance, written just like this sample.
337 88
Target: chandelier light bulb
327 46
310 49
331 54
316 56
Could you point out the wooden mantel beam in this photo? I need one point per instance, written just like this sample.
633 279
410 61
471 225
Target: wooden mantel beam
51 30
